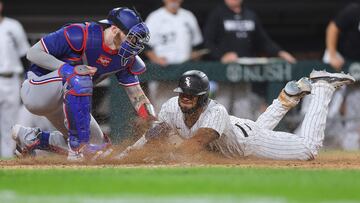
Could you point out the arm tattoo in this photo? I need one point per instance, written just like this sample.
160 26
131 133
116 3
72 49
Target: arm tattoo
136 95
138 100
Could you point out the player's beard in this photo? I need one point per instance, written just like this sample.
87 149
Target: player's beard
188 110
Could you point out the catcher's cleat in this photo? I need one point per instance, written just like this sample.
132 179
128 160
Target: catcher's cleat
91 152
294 91
75 156
335 79
27 140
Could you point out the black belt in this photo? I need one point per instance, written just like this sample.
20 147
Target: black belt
243 130
7 75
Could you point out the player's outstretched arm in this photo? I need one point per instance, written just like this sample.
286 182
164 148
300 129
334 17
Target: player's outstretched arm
155 135
140 102
198 142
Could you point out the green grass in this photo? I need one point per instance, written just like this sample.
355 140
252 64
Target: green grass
291 185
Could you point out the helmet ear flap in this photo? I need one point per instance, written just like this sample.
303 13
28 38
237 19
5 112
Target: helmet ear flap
203 99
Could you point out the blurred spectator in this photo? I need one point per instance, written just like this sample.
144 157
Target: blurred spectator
13 48
343 37
343 120
343 43
175 34
234 31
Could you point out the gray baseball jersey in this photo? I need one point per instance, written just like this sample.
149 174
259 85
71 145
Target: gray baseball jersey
242 137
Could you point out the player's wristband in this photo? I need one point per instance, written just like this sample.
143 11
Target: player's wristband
147 111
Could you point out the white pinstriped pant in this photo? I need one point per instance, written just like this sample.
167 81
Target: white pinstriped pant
265 143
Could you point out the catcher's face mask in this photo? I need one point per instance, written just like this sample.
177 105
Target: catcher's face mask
134 42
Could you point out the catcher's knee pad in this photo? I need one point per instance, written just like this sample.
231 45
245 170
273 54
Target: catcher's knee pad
80 85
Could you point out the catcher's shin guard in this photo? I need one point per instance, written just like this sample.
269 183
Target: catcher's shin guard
78 117
77 108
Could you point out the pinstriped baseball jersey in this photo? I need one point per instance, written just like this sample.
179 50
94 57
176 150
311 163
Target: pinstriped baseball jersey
242 137
214 116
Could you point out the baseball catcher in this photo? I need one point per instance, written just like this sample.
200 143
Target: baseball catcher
66 65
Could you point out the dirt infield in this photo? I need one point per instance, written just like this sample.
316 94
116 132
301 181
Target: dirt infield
326 160
158 153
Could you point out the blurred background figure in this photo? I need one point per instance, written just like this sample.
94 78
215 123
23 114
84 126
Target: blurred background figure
343 121
343 37
232 31
342 45
175 36
13 48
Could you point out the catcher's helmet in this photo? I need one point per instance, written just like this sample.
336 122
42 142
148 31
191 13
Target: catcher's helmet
137 33
195 82
123 18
